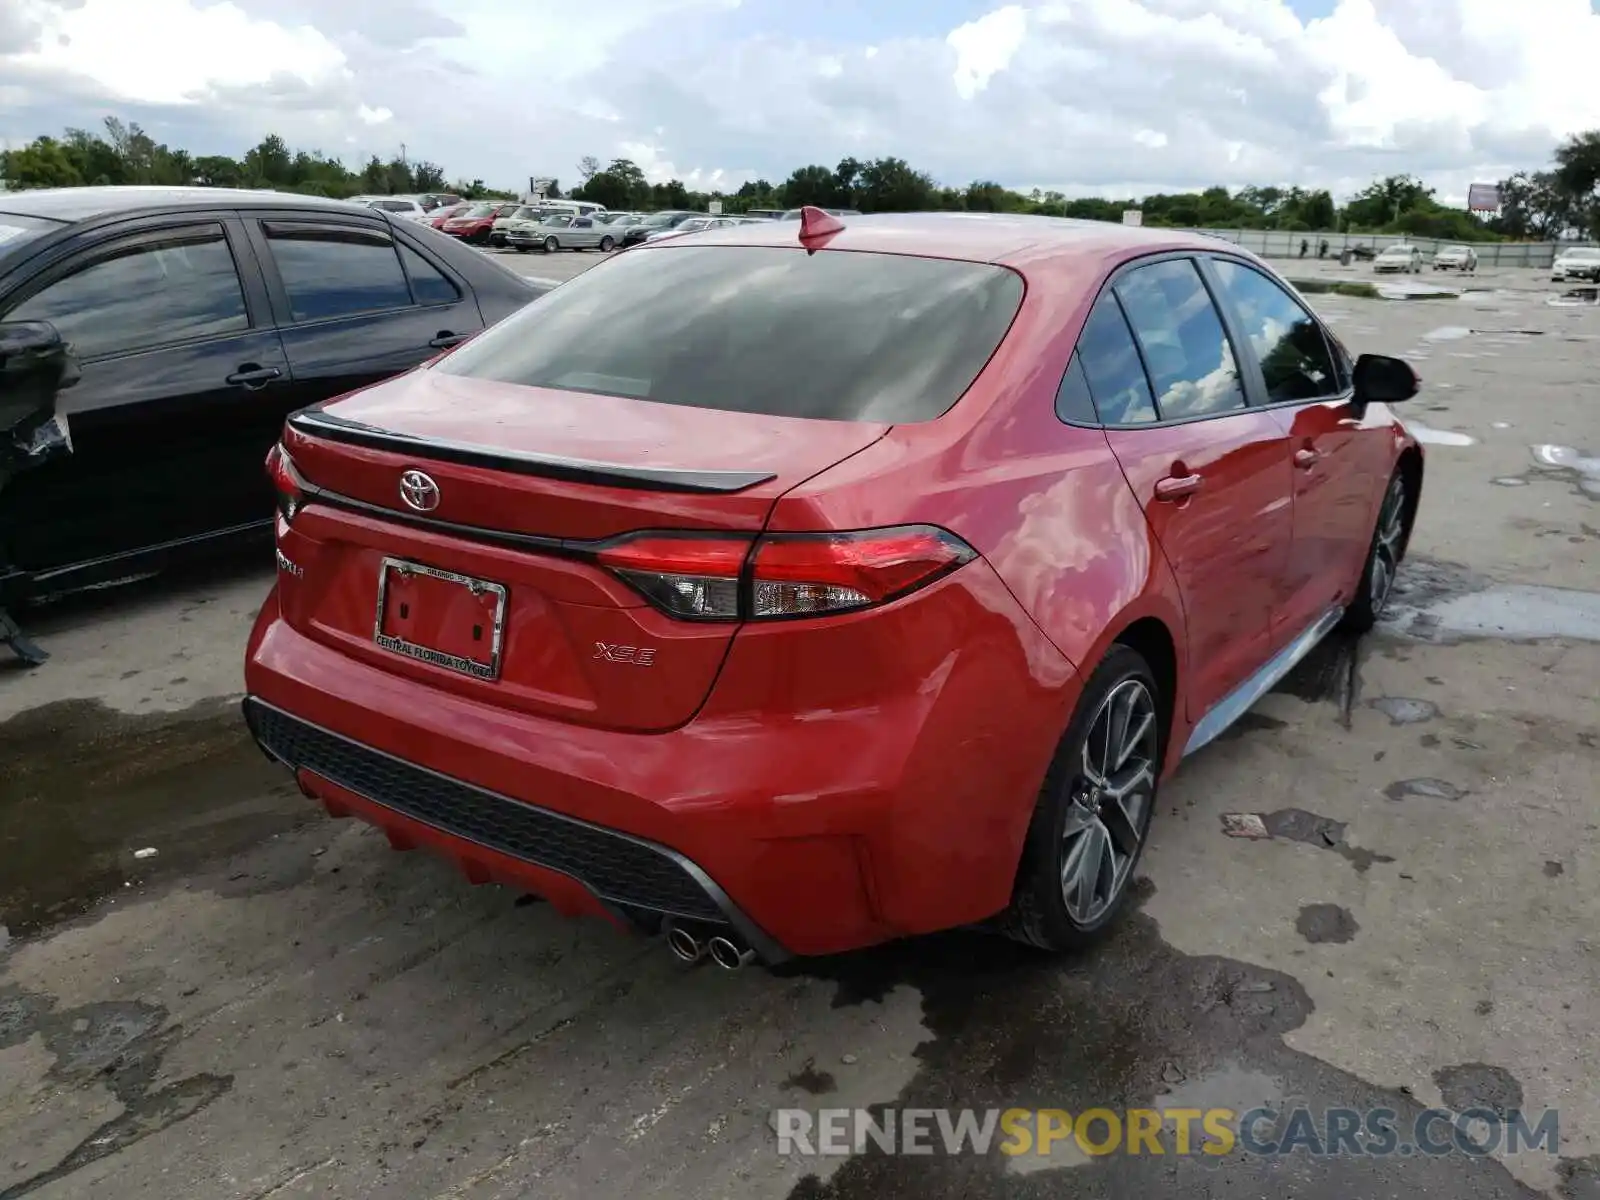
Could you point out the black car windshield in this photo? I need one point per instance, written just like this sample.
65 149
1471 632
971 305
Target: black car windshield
838 336
656 220
16 229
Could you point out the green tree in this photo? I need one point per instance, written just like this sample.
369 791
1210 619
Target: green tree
42 163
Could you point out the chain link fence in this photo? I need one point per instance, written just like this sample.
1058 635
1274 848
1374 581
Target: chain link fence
1280 243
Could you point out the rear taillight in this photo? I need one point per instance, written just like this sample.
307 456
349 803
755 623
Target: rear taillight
286 482
711 577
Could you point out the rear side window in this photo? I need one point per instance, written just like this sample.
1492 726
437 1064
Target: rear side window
835 335
428 285
336 272
1112 368
1189 358
1074 403
1295 360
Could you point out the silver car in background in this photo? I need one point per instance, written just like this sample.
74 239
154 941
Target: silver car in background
561 231
1456 258
497 231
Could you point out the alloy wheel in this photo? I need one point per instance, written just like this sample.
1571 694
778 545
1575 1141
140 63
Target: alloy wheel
1386 545
1109 807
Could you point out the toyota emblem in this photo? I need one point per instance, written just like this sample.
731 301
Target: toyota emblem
419 491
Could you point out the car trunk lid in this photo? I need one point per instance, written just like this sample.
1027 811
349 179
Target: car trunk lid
485 581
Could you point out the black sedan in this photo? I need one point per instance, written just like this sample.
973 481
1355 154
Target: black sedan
199 319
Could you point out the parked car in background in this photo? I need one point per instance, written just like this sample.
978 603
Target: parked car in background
655 223
200 317
694 225
560 231
793 214
1398 258
433 200
864 579
770 214
1363 252
438 216
497 230
476 224
1456 258
1578 262
399 206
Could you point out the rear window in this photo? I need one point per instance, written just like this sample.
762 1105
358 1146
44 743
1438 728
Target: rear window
838 335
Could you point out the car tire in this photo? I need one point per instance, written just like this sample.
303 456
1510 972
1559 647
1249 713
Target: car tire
1384 555
607 245
1077 825
551 245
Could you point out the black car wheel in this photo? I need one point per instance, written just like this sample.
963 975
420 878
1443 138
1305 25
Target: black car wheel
1093 812
607 245
551 245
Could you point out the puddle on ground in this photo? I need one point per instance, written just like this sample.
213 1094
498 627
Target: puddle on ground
118 1045
1430 436
1132 1023
85 787
1415 290
1579 466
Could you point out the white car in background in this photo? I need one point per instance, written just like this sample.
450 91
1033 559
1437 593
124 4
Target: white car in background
399 206
1399 258
1580 262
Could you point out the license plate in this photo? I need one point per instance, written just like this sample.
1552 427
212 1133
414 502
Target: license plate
438 617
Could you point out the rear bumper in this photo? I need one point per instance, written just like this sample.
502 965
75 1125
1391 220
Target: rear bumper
498 838
894 803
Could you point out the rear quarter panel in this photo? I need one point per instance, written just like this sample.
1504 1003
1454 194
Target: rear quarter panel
1044 502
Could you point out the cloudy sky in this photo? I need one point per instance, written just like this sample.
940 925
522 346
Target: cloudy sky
1089 96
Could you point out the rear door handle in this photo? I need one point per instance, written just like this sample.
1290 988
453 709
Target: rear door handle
252 375
1176 487
445 339
1306 459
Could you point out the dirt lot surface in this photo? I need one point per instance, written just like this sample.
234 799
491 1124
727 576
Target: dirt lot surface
277 1005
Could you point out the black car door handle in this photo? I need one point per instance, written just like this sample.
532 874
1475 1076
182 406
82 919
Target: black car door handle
446 339
250 375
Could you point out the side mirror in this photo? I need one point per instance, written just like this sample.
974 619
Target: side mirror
35 364
1379 379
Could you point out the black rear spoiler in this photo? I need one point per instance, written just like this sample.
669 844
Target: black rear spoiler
316 423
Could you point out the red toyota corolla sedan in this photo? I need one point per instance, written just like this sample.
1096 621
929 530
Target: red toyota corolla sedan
865 579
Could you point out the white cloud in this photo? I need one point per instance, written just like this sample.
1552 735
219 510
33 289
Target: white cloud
986 47
171 51
1109 96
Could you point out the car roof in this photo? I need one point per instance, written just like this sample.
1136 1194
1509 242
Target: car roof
85 203
1009 239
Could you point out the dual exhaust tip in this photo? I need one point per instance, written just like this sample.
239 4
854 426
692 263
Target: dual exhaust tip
727 953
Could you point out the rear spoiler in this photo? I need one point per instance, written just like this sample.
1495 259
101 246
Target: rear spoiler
316 423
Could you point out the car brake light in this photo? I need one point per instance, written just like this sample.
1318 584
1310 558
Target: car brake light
712 577
685 575
797 575
286 482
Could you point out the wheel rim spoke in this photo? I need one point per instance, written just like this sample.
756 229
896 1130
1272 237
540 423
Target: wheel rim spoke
1104 823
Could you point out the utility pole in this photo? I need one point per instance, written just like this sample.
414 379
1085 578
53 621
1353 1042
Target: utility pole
403 153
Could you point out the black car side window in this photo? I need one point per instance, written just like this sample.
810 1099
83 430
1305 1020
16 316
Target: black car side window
1110 360
428 284
336 271
1296 361
1190 360
147 294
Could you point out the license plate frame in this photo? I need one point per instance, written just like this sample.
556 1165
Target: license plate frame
485 669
